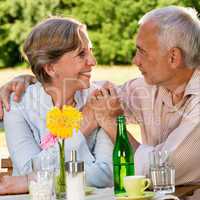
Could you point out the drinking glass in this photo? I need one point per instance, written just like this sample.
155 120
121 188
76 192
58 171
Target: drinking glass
162 173
41 186
45 162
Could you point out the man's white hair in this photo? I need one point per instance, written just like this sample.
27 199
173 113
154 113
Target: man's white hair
178 27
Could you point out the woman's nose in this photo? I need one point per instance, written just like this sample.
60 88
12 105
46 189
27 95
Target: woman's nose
91 61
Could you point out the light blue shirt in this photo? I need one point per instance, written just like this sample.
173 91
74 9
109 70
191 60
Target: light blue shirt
25 126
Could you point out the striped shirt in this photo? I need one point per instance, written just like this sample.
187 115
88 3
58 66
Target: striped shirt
164 126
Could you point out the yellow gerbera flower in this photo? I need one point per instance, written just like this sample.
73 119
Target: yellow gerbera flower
62 122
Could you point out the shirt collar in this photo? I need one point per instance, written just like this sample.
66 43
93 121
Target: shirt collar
193 86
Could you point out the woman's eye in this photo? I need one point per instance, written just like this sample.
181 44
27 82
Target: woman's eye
81 54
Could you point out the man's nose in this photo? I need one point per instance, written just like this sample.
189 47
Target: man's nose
136 60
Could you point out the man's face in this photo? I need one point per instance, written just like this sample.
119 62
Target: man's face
151 61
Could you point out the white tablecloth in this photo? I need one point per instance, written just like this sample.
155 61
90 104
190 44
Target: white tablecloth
98 194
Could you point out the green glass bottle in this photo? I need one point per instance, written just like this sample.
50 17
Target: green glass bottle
123 157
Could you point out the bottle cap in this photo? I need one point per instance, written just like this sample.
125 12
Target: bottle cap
120 118
74 166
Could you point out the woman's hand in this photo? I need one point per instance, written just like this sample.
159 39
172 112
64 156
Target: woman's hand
17 85
89 123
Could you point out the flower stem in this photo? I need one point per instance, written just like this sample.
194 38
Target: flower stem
61 182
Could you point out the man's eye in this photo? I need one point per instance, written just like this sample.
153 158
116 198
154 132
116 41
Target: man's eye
140 51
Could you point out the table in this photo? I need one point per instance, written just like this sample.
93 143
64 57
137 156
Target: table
185 190
99 194
107 193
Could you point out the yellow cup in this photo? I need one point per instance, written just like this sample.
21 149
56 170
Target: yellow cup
136 185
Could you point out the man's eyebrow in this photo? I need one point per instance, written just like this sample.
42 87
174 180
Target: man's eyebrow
140 49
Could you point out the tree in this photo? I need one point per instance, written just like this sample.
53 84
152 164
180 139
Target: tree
112 24
17 19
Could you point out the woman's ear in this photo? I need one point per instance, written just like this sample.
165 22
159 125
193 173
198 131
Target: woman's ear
175 58
50 70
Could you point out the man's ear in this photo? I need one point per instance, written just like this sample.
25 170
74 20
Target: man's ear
50 70
175 58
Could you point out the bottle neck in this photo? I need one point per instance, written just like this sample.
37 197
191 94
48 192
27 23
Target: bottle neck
121 130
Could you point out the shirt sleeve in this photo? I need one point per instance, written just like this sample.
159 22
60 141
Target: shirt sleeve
98 161
21 143
183 144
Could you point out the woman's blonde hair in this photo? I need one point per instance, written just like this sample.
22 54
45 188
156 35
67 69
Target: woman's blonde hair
49 40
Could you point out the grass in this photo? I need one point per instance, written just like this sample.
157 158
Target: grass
9 73
115 74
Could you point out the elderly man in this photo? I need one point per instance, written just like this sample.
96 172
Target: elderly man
166 101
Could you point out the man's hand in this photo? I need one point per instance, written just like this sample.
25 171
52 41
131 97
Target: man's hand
107 107
89 122
107 100
17 85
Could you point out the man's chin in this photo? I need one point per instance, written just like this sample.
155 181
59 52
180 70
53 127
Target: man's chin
149 82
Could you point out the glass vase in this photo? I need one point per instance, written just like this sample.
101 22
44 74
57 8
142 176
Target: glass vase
60 178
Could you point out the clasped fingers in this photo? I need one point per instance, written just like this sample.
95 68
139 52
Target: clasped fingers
106 101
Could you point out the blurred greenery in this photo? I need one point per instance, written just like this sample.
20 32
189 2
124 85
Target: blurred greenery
112 24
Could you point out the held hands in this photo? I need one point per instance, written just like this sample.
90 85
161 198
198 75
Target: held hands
106 105
101 110
17 85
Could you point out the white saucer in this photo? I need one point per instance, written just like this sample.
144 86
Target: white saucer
146 196
89 190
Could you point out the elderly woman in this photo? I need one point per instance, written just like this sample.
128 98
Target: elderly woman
60 54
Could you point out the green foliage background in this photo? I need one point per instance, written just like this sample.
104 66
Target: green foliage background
112 24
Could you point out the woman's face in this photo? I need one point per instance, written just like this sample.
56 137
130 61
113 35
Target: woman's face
73 69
